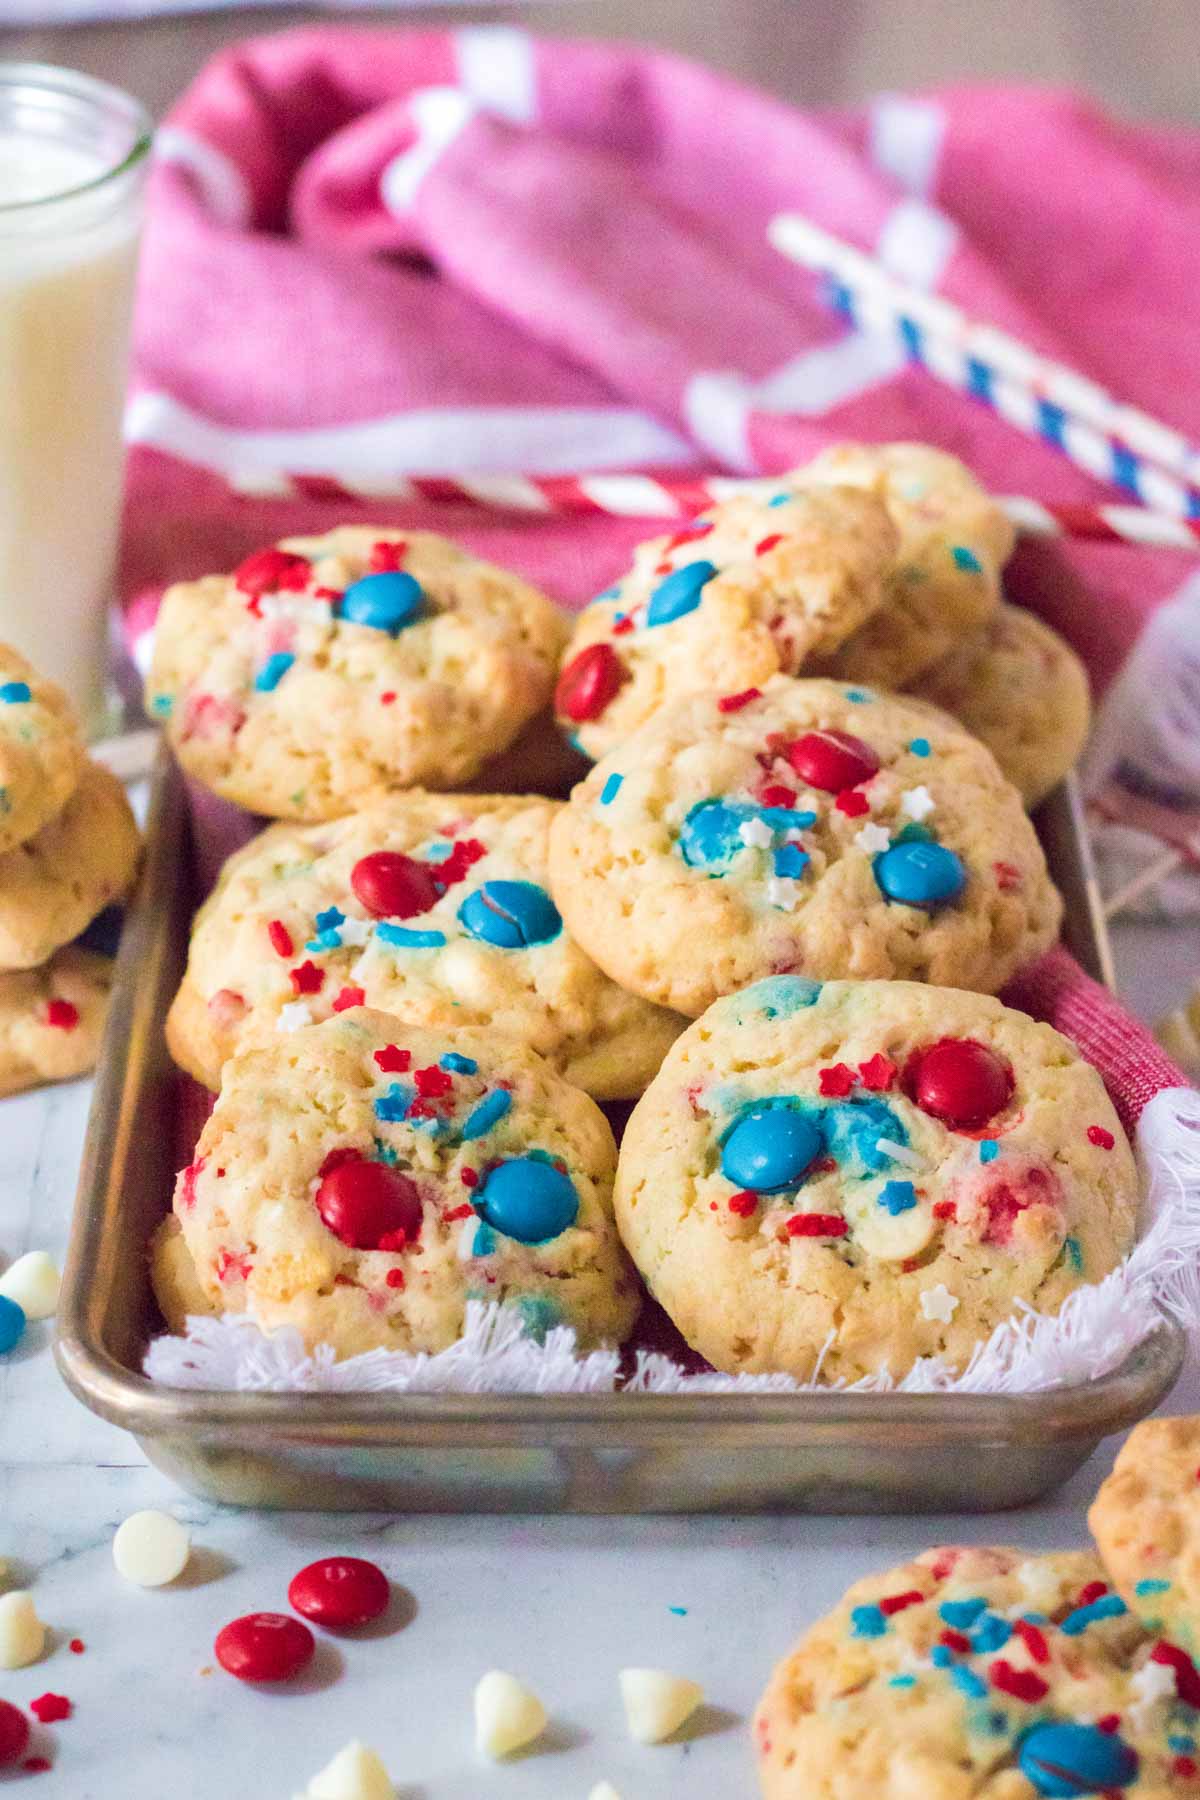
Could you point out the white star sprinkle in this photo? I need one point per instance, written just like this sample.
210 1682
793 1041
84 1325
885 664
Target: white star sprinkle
355 932
873 838
917 802
756 834
1153 1682
293 1016
782 891
939 1303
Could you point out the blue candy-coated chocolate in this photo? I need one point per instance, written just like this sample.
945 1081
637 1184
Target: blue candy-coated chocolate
510 914
769 1149
852 1130
387 602
527 1199
1066 1759
15 693
273 671
12 1325
103 935
679 593
777 997
489 1112
709 834
404 939
920 874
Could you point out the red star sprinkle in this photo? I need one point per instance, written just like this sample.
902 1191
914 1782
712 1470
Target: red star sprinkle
395 1278
878 1073
386 558
773 793
768 543
349 996
900 1602
1103 1140
62 1015
433 1082
745 1205
392 1060
1022 1684
281 938
729 703
816 1225
48 1709
852 803
836 1081
306 978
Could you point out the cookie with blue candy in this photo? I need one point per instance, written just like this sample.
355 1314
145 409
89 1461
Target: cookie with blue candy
325 671
41 750
1146 1523
809 826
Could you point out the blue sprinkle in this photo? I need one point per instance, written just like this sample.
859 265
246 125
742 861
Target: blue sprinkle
992 1633
960 1615
1150 1587
455 1064
920 747
898 1197
325 940
941 1656
903 1681
438 852
858 696
967 1682
1074 1253
679 1611
391 1107
1109 1606
485 1240
410 940
967 559
989 1150
609 593
791 860
780 499
14 693
1181 1744
330 919
783 818
162 705
273 671
679 593
611 789
867 1622
431 1123
489 1112
385 1154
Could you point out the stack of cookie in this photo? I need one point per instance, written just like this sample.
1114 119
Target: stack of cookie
68 851
855 1157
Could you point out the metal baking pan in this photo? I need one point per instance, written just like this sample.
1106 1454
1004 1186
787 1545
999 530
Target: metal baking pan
826 1453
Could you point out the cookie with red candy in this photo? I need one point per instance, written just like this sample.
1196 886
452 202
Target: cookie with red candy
52 1018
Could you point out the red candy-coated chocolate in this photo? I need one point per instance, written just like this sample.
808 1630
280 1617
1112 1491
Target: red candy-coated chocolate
14 1733
832 760
959 1081
589 681
264 1647
364 1203
340 1592
393 886
269 570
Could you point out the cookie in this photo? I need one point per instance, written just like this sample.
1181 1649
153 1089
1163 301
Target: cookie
811 828
1020 688
945 581
363 1179
327 670
430 906
52 1019
41 750
751 588
832 1181
541 761
1146 1523
54 884
982 1673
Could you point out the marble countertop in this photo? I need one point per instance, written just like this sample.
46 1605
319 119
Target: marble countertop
564 1603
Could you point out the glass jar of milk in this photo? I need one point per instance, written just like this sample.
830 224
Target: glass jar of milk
73 157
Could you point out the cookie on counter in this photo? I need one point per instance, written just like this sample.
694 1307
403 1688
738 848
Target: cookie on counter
327 670
52 1019
363 1179
751 588
41 750
829 1181
1146 1523
1020 688
973 1672
54 884
945 581
814 827
434 907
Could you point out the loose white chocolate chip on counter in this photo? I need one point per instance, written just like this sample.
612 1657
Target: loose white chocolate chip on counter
356 1773
657 1703
151 1549
507 1715
604 1790
22 1634
32 1282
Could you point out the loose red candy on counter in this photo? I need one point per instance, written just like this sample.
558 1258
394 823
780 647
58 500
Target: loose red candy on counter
264 1647
960 1081
363 1203
48 1709
832 760
14 1733
589 681
393 886
340 1592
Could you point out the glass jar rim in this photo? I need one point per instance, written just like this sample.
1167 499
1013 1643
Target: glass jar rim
103 96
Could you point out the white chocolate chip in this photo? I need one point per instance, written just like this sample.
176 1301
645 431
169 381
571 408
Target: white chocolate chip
872 839
892 1237
294 1015
33 1282
151 1548
917 802
1153 1682
507 1715
604 1790
22 1634
657 1703
1040 1584
356 1773
939 1304
756 834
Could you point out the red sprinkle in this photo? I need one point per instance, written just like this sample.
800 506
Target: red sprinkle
956 1640
1022 1684
77 1646
745 1204
468 1177
458 1212
349 996
899 1602
878 1073
62 1015
340 1592
945 1209
1008 876
229 1263
589 681
392 1060
388 698
386 558
775 794
729 703
464 854
433 1082
768 543
268 571
1035 1642
852 803
688 534
1093 1590
816 1225
264 1647
622 626
306 978
1187 1678
395 1278
1110 1723
1185 1767
281 938
14 1733
48 1709
187 1182
837 1081
1103 1140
